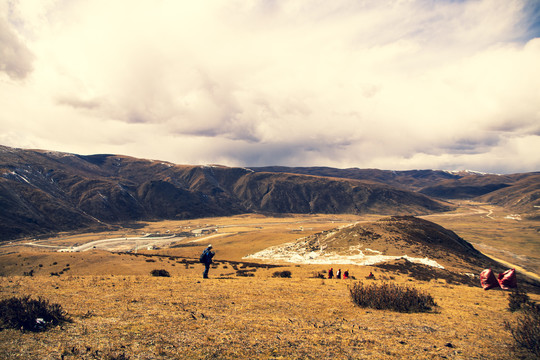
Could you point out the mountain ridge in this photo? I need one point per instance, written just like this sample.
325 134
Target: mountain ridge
522 188
43 191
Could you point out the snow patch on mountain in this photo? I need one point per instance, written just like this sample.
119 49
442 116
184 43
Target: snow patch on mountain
467 172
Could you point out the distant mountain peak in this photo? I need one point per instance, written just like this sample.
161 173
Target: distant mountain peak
468 172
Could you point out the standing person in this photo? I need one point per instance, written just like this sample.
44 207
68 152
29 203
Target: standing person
338 274
331 273
206 259
346 274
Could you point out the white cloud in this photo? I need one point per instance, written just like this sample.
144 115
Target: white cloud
382 84
15 58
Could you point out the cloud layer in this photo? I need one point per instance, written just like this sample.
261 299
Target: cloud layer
385 84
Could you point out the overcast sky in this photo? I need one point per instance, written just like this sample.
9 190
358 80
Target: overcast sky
388 84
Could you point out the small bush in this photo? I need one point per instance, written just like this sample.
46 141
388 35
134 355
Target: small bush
392 297
31 315
317 275
282 274
115 355
526 330
517 299
161 272
246 273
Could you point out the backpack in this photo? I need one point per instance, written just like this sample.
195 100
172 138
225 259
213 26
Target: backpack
203 256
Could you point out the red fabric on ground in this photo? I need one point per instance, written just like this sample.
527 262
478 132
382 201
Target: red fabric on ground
507 279
488 280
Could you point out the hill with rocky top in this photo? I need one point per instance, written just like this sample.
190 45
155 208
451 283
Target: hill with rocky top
390 238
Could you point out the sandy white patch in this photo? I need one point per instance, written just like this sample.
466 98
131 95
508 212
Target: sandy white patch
298 253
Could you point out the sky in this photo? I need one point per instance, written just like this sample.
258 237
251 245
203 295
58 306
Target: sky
387 84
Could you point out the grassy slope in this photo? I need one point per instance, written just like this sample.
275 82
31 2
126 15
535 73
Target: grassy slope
118 309
259 317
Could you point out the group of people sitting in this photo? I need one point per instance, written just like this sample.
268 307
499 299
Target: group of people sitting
345 274
338 274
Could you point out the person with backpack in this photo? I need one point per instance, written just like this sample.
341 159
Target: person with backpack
331 273
206 259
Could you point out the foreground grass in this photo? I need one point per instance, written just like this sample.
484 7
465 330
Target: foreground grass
145 317
120 311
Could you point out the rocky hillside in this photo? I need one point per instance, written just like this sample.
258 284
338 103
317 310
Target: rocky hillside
517 192
523 196
43 191
365 243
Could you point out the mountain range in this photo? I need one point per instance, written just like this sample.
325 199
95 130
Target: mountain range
45 191
517 192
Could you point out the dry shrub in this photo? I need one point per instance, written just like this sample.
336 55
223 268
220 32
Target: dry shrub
282 274
115 355
392 297
245 273
88 353
517 299
526 331
160 272
29 314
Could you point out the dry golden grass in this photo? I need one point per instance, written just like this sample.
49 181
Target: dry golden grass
120 311
254 231
146 317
